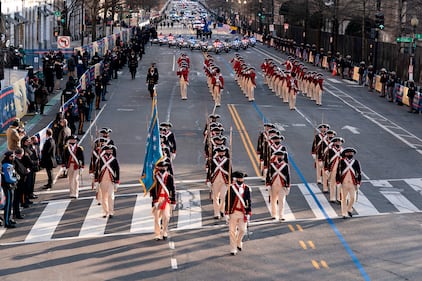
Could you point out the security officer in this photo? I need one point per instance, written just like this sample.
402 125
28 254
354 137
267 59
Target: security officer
278 183
163 200
152 80
8 183
82 108
348 178
238 211
107 176
133 64
218 179
73 162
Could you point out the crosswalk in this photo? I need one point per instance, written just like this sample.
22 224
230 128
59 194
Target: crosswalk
62 219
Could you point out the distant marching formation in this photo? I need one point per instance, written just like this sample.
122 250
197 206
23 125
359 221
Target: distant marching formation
245 75
295 78
215 80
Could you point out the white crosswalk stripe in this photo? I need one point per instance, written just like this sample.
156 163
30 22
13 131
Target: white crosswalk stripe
308 199
46 224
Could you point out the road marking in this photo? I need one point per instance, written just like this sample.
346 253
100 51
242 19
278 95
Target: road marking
142 219
363 206
315 264
245 138
94 224
47 222
125 109
400 202
189 212
380 183
311 244
303 245
320 197
416 184
173 263
324 264
352 129
288 214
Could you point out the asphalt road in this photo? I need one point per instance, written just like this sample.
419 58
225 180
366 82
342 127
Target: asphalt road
64 239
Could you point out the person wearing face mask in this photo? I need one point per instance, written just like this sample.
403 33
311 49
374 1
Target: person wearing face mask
73 162
331 160
107 178
163 199
152 79
323 148
133 64
318 139
218 179
348 178
278 183
238 211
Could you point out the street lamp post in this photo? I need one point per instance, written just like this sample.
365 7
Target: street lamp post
414 23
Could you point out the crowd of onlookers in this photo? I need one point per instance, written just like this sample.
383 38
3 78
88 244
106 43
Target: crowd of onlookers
24 158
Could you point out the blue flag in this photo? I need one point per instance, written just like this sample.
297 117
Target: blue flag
153 153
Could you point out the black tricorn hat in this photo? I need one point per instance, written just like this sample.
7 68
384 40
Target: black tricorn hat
238 174
348 149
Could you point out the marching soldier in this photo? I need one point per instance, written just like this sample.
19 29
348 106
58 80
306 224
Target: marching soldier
218 85
183 74
218 178
278 184
293 88
318 89
169 135
348 178
321 152
73 162
238 211
163 195
331 160
371 76
251 84
318 139
96 153
107 176
262 144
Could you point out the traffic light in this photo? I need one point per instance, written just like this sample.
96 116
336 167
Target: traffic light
259 14
379 20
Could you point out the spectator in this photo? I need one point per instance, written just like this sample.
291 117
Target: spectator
48 157
8 183
14 135
41 97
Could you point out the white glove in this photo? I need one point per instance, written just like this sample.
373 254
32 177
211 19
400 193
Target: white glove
287 190
96 185
116 186
338 185
173 207
314 156
92 176
248 218
156 205
64 169
209 184
358 186
173 156
268 187
81 169
227 217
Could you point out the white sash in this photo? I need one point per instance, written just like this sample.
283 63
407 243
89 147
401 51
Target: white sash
278 171
349 167
107 165
220 166
72 150
160 180
239 196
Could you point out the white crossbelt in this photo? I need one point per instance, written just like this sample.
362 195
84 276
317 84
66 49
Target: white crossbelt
278 171
160 180
240 197
107 165
219 166
349 167
72 150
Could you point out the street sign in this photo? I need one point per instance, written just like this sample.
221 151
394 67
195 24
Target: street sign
404 39
418 36
63 42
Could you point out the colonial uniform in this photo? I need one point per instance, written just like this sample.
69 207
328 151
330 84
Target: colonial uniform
183 74
278 184
107 175
318 138
163 194
293 88
73 162
218 85
218 176
348 178
238 209
331 160
321 152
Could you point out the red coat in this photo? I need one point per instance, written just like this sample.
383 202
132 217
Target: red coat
219 82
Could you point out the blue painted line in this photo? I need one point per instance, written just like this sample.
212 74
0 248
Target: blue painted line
327 218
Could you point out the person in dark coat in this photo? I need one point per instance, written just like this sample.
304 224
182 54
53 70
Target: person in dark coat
48 157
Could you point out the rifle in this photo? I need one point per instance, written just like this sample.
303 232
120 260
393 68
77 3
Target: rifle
230 168
209 158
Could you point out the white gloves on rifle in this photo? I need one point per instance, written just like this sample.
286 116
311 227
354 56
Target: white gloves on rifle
227 217
208 184
173 156
92 176
116 186
248 218
173 207
314 156
156 205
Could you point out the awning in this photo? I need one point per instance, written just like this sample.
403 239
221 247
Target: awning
20 18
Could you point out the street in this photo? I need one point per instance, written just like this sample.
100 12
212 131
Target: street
67 239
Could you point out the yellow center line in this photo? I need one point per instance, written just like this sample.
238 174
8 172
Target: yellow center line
315 264
302 244
245 138
299 227
292 229
324 264
311 244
